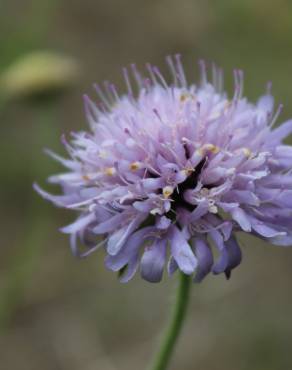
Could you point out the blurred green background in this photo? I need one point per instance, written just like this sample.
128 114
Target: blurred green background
60 313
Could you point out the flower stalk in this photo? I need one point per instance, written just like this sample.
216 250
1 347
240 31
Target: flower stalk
172 332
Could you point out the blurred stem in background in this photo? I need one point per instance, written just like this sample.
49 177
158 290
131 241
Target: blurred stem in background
171 335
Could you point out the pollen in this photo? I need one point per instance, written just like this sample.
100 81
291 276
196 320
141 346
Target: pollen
200 152
186 96
167 191
85 177
110 171
188 171
213 209
134 166
211 148
102 154
183 97
247 152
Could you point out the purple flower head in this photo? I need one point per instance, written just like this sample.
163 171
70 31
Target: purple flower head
170 173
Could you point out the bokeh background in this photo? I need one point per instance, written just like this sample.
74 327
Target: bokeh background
60 313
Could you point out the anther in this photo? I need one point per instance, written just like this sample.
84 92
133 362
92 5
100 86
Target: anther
110 171
167 191
134 166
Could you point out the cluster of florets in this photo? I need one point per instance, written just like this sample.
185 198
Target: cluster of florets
171 172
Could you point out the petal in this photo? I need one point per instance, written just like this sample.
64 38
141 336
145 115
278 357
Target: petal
182 252
143 206
163 223
131 248
255 162
243 196
221 263
273 181
266 103
116 240
226 228
211 176
199 211
130 270
217 238
110 224
79 224
282 131
171 266
264 230
230 258
227 207
119 238
152 184
75 249
205 259
196 158
280 196
284 151
153 261
234 255
58 200
72 165
282 240
241 218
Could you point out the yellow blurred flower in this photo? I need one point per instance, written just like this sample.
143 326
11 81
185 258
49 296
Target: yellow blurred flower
37 74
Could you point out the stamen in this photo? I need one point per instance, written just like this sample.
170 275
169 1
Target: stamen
150 69
110 171
167 191
68 147
236 86
180 71
91 111
128 83
161 78
134 166
102 154
220 80
247 152
170 63
155 111
269 88
114 92
188 171
276 115
101 95
217 78
137 76
203 72
210 148
214 76
147 84
241 81
186 96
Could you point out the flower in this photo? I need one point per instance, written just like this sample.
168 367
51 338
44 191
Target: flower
172 172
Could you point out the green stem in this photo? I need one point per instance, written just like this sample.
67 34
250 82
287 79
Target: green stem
171 335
